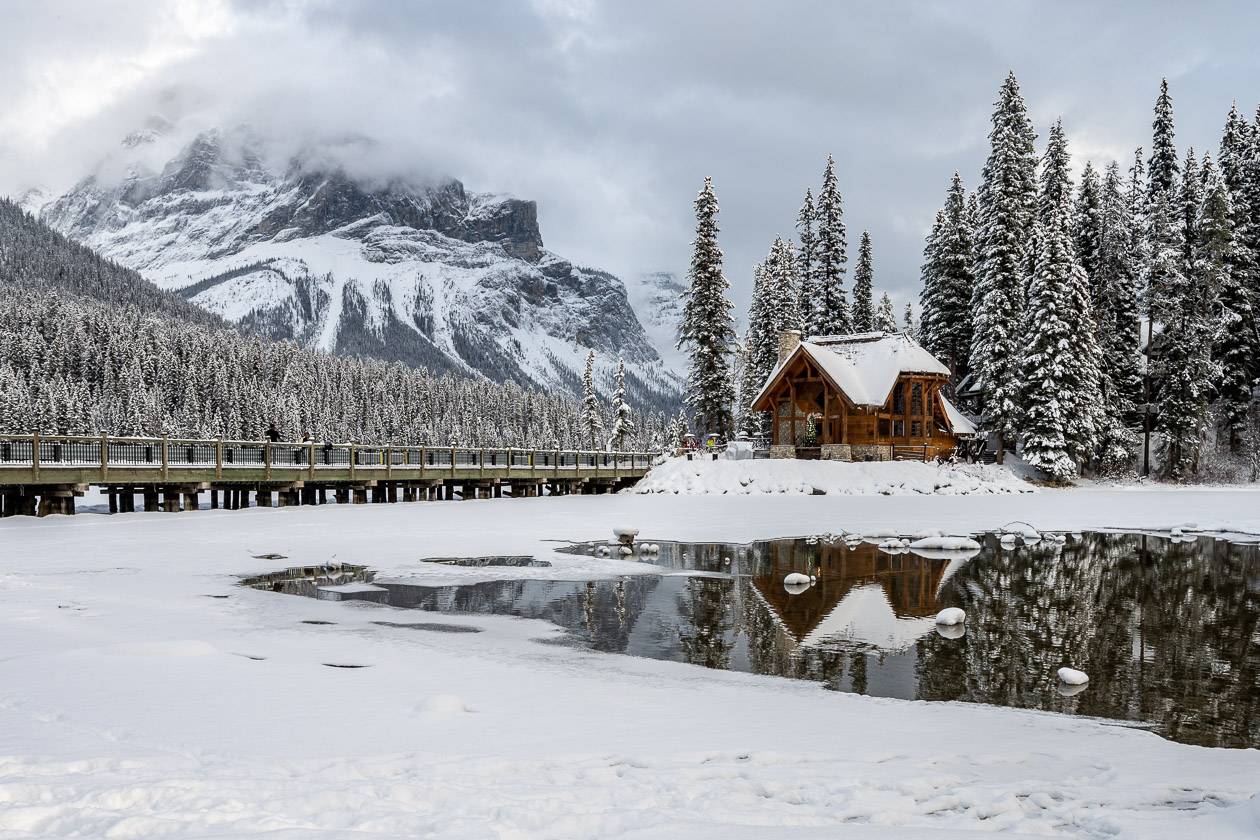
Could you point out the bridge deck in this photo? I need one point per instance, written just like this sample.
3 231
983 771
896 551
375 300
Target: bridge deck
46 465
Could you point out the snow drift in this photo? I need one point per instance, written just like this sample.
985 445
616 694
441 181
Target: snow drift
888 478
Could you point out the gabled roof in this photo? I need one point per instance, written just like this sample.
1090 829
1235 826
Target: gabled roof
864 366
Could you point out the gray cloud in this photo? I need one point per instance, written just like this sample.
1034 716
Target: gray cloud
610 114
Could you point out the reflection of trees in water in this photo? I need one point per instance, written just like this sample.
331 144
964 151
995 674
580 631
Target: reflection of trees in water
1167 632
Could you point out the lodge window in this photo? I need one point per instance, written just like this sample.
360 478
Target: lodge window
899 399
916 398
916 428
899 428
883 427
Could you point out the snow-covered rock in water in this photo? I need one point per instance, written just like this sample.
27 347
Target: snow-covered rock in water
951 616
625 550
795 579
1071 676
1022 530
951 631
946 543
302 248
623 533
889 478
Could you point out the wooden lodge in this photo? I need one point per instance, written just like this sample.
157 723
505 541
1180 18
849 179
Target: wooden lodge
865 397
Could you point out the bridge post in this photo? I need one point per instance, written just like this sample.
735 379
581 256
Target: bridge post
218 471
150 499
191 500
267 460
113 499
35 457
264 497
165 463
105 463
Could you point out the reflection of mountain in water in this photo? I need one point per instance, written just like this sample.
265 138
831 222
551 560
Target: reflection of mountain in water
1168 632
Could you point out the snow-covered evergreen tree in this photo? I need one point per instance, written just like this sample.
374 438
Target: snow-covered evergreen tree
907 320
807 262
1182 363
592 419
1060 365
1087 227
1007 202
1190 198
863 317
885 318
1117 320
1227 298
1162 169
948 282
830 305
751 422
707 331
623 420
773 311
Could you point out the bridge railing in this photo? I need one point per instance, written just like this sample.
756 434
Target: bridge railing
50 452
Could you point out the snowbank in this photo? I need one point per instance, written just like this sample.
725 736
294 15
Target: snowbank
887 478
144 693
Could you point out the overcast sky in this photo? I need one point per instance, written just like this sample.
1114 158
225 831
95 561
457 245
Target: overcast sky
610 114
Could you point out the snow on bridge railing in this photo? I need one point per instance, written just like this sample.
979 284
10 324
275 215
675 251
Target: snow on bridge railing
105 451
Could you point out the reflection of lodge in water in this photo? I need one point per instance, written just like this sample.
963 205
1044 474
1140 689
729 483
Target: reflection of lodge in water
861 595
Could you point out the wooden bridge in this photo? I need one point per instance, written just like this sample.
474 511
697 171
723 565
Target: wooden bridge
43 474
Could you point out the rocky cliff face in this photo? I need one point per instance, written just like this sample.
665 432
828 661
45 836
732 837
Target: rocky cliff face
426 274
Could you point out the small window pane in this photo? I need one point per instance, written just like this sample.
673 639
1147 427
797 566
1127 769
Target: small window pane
916 398
916 428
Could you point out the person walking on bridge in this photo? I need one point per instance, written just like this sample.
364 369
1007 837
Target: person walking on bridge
273 434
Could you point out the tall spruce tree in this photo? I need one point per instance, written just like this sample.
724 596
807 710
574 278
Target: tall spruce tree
592 417
1162 169
863 277
707 331
930 280
623 419
1087 227
751 422
807 261
830 304
945 311
907 321
773 311
1117 318
1007 203
1181 364
1190 199
1216 278
1062 397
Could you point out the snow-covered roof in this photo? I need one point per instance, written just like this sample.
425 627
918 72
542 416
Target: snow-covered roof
865 365
865 615
958 421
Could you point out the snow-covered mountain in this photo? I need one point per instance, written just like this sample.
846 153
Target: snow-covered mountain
657 298
427 274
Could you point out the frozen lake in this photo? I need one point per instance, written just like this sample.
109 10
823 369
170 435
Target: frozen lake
1167 629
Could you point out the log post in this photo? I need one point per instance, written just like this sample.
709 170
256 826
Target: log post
105 462
165 464
35 456
218 470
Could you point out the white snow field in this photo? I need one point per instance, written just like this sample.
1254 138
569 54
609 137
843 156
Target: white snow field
702 475
145 694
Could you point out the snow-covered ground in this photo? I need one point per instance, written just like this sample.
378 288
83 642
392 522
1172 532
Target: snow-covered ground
702 476
144 694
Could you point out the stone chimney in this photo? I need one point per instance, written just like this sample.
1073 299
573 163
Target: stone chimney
789 340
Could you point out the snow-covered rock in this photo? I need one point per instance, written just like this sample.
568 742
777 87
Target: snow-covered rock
425 273
1071 676
795 579
951 616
